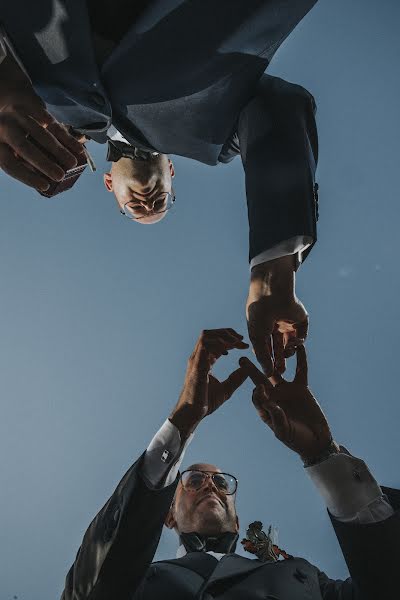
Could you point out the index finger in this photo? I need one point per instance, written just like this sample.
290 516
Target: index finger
301 376
65 138
260 324
257 377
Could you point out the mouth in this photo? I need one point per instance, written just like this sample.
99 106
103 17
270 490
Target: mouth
210 497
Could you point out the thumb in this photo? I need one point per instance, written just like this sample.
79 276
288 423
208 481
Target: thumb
279 422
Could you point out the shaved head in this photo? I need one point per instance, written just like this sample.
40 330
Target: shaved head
207 511
142 186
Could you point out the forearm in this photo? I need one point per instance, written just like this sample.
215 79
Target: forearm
121 541
164 455
365 522
279 150
273 277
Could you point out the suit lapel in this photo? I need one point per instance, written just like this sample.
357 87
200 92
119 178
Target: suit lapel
200 562
233 566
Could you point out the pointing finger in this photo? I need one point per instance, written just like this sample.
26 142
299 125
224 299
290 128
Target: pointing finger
260 324
257 377
279 357
234 381
301 376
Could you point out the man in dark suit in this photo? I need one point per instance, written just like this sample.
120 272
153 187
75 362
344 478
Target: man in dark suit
115 558
158 77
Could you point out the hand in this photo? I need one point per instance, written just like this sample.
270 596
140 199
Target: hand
277 321
25 124
202 393
290 409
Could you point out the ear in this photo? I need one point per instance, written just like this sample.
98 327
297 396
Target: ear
237 523
107 178
171 168
170 519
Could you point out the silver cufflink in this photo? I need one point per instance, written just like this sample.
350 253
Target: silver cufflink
165 456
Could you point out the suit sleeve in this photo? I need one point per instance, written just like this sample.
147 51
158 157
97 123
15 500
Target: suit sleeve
279 150
121 541
372 552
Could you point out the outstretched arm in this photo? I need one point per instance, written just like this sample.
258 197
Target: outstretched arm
279 149
367 522
121 541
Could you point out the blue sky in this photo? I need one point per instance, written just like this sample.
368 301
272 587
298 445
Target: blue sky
98 317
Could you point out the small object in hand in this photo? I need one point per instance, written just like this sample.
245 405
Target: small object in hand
262 544
70 178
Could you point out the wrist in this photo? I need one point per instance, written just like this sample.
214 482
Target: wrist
273 277
183 420
311 459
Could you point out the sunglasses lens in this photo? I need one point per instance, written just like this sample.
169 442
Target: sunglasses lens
193 480
224 482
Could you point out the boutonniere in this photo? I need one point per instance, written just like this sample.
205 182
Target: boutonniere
262 544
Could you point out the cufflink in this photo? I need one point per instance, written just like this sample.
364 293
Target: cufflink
165 456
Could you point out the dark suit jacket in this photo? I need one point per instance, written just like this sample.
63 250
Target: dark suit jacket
183 80
115 559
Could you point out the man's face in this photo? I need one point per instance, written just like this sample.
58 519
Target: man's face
207 511
143 184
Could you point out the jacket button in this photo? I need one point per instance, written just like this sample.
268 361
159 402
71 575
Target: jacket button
97 99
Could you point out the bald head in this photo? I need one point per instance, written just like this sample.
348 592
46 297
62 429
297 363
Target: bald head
141 187
206 510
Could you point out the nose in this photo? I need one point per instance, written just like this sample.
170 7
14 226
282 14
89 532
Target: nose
209 483
145 204
148 204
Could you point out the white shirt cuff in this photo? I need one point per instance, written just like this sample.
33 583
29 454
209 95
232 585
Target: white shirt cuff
164 456
295 245
349 490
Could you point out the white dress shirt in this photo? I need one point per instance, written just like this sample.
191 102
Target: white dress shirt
349 490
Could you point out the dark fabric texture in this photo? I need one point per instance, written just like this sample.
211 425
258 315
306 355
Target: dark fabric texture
115 559
176 81
112 20
183 77
278 143
373 549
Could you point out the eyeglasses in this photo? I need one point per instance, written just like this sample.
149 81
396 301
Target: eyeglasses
224 482
131 208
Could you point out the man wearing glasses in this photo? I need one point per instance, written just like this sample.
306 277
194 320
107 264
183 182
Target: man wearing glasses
153 78
115 558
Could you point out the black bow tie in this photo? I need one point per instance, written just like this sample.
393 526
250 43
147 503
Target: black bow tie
224 543
117 150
